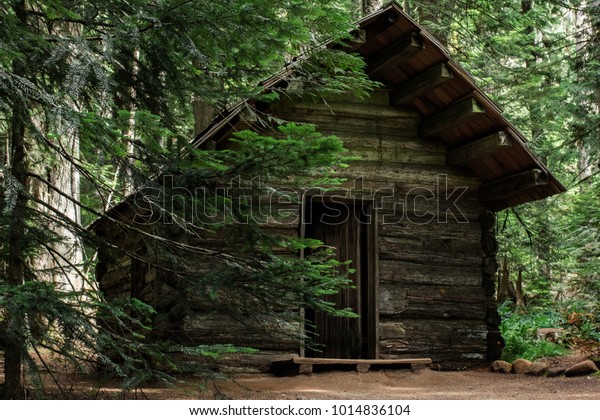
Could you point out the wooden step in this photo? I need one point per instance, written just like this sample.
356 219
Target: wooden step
329 361
305 364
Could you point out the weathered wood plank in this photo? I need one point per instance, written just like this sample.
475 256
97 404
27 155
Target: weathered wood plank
422 258
421 233
261 362
512 184
409 301
479 149
391 148
395 154
412 144
401 127
405 206
384 152
453 331
376 97
448 246
413 175
427 274
420 84
372 298
431 251
450 117
331 361
432 209
355 183
441 340
442 358
350 109
386 149
221 329
463 247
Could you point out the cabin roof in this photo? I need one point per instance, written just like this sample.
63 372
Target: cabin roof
419 72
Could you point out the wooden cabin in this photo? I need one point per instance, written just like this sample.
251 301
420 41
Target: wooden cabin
436 159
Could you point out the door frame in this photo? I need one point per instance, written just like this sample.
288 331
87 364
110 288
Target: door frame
369 293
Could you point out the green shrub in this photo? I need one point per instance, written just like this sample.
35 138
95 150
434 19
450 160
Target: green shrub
520 333
584 320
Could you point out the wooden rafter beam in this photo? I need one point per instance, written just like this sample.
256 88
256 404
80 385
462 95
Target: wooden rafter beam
396 53
381 24
478 149
420 84
512 184
449 117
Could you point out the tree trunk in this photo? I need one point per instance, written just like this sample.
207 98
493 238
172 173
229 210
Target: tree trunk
370 6
437 18
15 270
537 120
584 166
519 295
586 32
503 286
62 262
508 290
125 100
203 115
130 185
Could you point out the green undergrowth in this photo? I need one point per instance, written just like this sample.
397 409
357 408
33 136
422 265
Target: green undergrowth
520 334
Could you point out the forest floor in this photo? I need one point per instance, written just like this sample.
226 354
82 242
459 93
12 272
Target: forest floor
413 385
396 384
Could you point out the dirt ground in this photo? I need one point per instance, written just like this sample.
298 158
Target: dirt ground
395 384
412 385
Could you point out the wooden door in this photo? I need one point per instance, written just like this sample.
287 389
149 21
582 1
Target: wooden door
348 228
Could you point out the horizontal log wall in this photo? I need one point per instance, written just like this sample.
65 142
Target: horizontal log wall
195 318
450 343
116 280
432 302
215 328
431 299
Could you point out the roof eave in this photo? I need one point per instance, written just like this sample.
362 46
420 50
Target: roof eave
230 120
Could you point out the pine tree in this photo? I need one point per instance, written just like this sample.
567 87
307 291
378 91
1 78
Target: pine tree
93 89
370 6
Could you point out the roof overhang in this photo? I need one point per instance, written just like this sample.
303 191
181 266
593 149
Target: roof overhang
419 73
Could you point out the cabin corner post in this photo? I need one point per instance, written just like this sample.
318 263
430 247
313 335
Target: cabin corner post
489 266
302 309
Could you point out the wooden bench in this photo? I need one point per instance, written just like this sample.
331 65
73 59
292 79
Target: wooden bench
305 365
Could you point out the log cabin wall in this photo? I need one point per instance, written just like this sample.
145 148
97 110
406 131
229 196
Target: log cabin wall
434 154
432 297
190 318
434 267
121 276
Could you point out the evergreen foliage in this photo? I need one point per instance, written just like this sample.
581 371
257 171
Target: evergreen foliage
95 102
520 333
